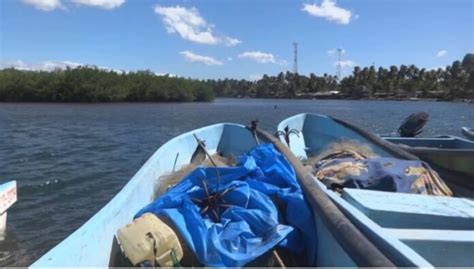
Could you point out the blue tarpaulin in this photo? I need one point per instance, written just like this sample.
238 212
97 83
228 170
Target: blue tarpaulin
267 210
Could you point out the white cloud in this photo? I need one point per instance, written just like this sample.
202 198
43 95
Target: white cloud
195 58
229 59
261 57
255 77
43 66
61 65
441 53
52 65
189 24
258 56
165 74
46 5
344 64
329 11
231 42
104 4
48 66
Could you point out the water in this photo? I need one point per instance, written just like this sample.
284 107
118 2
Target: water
71 159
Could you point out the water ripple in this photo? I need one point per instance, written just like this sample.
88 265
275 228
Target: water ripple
71 159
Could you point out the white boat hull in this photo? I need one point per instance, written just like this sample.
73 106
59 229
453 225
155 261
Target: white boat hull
8 196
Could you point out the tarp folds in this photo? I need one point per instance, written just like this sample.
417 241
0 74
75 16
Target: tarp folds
267 209
350 170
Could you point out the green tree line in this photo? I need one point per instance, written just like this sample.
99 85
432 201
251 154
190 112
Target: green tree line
91 84
456 81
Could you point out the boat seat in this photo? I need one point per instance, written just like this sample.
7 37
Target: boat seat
440 229
460 236
413 211
442 248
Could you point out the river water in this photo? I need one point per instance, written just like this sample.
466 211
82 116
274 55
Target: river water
70 159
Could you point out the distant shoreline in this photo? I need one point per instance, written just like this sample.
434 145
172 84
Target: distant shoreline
90 84
467 101
361 99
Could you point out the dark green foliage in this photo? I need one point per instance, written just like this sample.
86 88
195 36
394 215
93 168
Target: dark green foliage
90 84
284 85
454 82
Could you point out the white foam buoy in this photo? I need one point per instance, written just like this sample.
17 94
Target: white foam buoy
7 199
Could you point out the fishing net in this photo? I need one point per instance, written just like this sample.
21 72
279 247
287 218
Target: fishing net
348 168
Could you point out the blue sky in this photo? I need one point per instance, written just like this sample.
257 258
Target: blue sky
229 38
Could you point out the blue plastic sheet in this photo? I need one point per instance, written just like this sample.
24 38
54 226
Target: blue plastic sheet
254 224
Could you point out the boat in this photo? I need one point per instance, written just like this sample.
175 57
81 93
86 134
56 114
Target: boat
7 198
468 133
452 155
94 244
410 229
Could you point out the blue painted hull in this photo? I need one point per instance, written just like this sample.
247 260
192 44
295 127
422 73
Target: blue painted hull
449 153
410 229
91 245
446 142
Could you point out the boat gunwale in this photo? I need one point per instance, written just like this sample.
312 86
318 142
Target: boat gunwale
120 198
398 142
325 209
370 228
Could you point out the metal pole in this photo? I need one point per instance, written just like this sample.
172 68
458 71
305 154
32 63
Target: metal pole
339 71
295 52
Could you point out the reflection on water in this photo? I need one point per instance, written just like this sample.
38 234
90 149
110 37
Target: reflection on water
70 159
